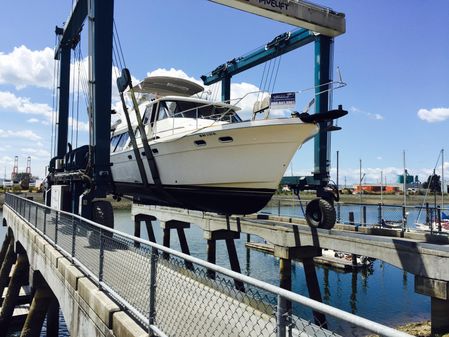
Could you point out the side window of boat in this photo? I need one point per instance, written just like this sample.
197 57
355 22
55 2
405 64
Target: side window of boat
163 111
122 141
148 115
114 142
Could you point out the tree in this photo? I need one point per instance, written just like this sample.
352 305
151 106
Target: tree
433 183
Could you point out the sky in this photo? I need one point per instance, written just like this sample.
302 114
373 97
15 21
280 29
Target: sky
394 58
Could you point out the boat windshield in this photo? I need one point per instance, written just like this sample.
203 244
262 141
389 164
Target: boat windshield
187 109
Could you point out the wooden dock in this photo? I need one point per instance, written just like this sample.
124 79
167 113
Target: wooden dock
330 261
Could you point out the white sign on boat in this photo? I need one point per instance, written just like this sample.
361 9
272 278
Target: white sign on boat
283 100
303 14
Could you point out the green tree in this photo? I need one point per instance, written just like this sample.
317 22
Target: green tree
433 183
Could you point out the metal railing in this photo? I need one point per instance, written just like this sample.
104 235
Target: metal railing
366 214
173 294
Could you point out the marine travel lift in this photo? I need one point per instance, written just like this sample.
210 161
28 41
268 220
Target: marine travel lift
326 24
80 187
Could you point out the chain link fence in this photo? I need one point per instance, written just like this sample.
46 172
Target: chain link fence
362 214
173 294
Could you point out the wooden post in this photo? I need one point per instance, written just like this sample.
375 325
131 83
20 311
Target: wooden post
314 290
10 258
136 231
53 318
5 246
42 299
211 256
18 279
166 241
234 261
150 231
351 220
184 246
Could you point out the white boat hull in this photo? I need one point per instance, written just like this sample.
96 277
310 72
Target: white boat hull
231 169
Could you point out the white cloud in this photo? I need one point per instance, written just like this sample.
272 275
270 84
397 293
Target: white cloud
36 153
82 126
33 120
434 115
27 134
9 101
370 115
24 67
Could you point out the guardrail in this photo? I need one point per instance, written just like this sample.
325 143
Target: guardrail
173 294
363 214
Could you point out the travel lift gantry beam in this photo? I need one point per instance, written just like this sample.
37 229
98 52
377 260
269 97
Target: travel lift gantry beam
96 181
320 212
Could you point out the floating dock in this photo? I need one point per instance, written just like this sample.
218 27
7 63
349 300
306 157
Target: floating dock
330 261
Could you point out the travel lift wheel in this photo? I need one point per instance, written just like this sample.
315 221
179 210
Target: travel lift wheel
103 214
320 213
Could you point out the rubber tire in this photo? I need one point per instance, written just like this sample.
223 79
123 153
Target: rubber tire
103 214
320 213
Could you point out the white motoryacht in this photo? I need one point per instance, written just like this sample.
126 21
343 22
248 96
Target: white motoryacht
202 156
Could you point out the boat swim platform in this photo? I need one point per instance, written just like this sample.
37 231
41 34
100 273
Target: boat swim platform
424 255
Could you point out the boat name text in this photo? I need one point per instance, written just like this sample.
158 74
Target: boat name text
207 134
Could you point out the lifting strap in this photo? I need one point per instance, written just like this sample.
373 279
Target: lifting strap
124 82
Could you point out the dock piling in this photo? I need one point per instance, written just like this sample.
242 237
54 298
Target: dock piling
43 297
19 278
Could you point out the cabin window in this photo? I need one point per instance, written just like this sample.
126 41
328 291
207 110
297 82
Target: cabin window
186 109
114 142
150 114
122 141
164 111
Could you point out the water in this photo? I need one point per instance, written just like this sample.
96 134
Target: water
384 293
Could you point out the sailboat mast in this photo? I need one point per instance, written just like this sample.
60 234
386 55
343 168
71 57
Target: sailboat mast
405 181
442 178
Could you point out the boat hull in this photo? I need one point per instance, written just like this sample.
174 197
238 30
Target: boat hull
208 199
222 169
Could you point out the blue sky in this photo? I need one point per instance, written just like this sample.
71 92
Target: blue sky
394 58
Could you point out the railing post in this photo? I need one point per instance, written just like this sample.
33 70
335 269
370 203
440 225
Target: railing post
379 214
404 218
439 218
351 220
35 216
29 211
101 264
428 217
74 228
338 212
364 215
153 280
56 227
280 317
279 207
44 229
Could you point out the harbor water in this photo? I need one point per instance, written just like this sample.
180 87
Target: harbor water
382 293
